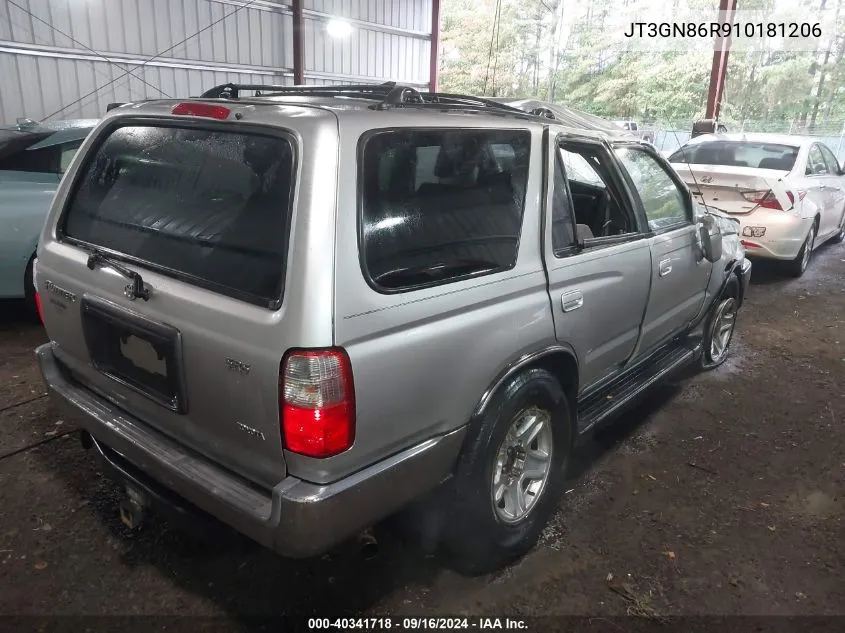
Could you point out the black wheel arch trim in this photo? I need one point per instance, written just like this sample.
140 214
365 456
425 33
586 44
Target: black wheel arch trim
732 271
514 367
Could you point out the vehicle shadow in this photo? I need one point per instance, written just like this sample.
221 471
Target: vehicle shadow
252 585
766 272
623 429
257 588
15 313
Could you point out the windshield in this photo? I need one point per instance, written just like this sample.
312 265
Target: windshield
738 154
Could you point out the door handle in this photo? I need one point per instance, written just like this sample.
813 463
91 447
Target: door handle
664 267
571 300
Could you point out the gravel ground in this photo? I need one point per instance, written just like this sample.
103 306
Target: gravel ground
721 495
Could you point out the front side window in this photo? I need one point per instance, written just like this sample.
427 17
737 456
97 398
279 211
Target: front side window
598 206
662 199
66 154
816 164
829 159
208 206
441 205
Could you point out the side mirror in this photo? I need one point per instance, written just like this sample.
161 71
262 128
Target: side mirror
819 168
711 239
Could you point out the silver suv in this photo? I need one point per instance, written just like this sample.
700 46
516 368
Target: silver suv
300 311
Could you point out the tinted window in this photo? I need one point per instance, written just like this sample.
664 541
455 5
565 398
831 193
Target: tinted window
13 142
43 160
208 206
441 205
563 225
738 154
662 199
815 162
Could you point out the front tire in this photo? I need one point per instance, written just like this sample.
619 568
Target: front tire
29 289
840 237
798 266
720 326
510 474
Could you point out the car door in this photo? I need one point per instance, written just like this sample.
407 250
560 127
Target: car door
598 284
834 191
679 273
817 179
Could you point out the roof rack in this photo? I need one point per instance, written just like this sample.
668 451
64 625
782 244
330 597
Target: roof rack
232 91
389 95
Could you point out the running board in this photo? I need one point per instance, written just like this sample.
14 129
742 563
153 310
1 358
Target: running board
602 406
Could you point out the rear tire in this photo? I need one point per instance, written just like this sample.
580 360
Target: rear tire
510 474
840 237
29 289
798 266
720 326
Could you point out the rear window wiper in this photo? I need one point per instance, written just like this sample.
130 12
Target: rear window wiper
136 290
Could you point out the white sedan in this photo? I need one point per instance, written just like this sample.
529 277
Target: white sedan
788 192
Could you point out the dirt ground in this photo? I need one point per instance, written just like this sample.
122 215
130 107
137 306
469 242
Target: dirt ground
722 495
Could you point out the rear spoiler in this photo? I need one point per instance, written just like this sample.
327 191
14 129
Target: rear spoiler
112 106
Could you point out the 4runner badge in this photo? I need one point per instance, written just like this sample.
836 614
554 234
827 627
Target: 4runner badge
254 433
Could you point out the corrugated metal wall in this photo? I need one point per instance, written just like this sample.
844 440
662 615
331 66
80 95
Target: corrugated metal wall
70 58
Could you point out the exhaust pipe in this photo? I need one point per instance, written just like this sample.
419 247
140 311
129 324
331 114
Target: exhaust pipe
367 544
85 440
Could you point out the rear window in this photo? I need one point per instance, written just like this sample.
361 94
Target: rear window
738 154
207 206
441 205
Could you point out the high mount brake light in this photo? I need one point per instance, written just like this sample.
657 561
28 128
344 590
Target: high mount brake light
189 108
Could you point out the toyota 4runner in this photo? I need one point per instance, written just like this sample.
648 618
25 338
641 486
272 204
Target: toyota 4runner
302 310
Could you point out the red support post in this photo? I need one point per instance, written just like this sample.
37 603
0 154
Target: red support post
719 68
434 62
298 66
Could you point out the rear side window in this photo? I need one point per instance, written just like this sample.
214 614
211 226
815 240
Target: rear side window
206 206
441 205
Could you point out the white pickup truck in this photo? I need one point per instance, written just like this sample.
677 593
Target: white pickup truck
631 126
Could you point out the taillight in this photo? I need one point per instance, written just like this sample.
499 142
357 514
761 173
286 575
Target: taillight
201 109
767 199
317 402
748 244
38 307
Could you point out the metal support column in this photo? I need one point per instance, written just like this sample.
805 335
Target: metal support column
298 66
434 62
719 68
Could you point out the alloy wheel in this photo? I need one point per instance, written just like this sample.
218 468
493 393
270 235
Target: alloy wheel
522 466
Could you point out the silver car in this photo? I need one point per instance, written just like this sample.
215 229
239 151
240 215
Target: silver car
302 311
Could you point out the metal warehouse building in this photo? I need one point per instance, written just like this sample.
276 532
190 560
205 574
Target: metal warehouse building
71 58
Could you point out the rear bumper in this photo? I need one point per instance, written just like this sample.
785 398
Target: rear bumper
295 518
784 236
